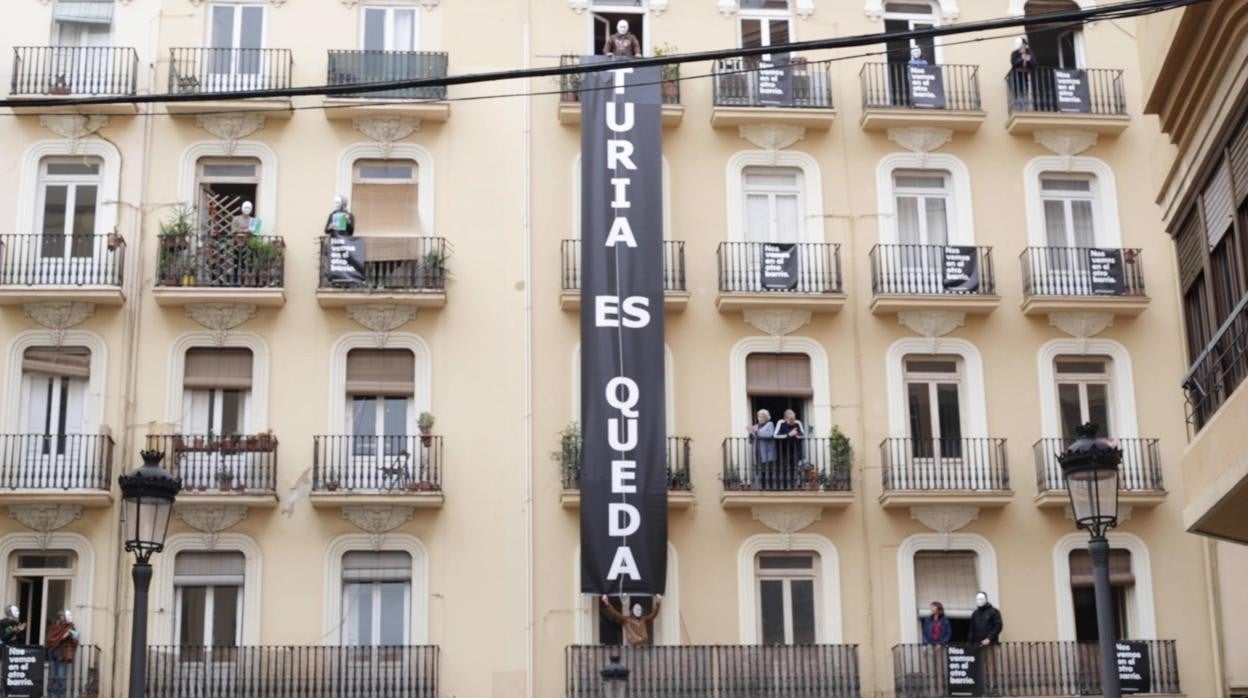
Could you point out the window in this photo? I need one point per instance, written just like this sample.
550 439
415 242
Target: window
67 213
773 204
224 185
934 405
390 29
910 16
376 597
610 632
380 388
54 395
950 577
1122 590
606 14
787 609
384 198
44 579
778 382
217 391
923 206
1083 393
1069 209
208 599
765 23
82 22
1054 45
239 27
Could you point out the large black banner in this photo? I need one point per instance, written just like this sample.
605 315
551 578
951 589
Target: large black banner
1072 91
965 670
961 272
23 672
1105 270
623 470
927 86
780 266
346 261
775 82
1134 672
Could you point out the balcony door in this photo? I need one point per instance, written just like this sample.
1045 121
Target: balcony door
788 606
773 214
904 17
934 411
380 416
1054 45
376 598
390 29
44 580
916 264
1070 211
216 407
54 396
77 28
208 604
236 41
67 247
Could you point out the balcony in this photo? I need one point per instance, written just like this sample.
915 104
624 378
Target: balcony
220 269
675 294
81 678
403 470
221 469
827 671
679 484
814 470
1139 476
1027 669
56 469
963 471
388 671
570 94
797 275
82 268
1061 98
933 96
230 71
956 278
409 270
1083 279
360 67
796 94
40 72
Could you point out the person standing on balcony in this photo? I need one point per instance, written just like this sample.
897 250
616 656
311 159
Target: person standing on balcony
11 625
936 627
916 57
763 437
1022 62
340 221
636 625
790 435
62 644
986 623
622 42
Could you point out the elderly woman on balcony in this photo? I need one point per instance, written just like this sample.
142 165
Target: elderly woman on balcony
762 436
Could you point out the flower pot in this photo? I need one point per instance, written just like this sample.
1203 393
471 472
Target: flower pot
224 486
60 89
199 442
331 486
240 239
240 488
413 487
169 281
426 440
425 486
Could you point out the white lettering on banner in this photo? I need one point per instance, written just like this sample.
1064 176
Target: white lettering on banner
621 471
620 152
621 195
619 78
612 121
621 231
628 405
623 564
607 311
631 516
630 434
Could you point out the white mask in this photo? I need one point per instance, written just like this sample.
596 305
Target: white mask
981 600
916 52
339 203
637 610
247 208
621 27
14 612
69 616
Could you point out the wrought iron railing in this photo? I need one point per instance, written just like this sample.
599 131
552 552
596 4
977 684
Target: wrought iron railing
421 268
61 260
678 448
225 463
1219 369
1060 90
944 464
74 70
56 462
813 463
1082 271
388 671
1026 669
570 84
77 678
358 67
198 70
792 671
815 267
750 83
221 261
888 86
673 265
1140 470
932 269
389 464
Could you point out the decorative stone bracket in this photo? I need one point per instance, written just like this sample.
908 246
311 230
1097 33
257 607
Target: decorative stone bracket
1067 143
777 322
210 520
944 519
921 140
801 8
932 324
771 137
386 130
231 128
220 317
1081 326
44 519
381 319
59 316
786 519
377 521
73 127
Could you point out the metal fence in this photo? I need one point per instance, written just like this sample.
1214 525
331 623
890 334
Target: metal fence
215 462
56 462
813 463
61 260
1037 90
744 82
1068 271
74 70
377 463
887 86
1140 470
421 267
193 70
924 270
742 269
358 67
944 464
221 261
570 84
1219 369
673 265
677 463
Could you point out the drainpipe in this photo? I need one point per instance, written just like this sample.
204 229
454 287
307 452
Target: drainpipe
1213 599
527 224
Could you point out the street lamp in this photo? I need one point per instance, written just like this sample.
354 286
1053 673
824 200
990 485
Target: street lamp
614 678
1090 468
147 496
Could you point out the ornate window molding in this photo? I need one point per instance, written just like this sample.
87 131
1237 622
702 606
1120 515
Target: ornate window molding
1108 226
828 630
669 387
949 10
1144 619
821 404
974 410
418 624
266 201
423 398
812 188
985 569
83 587
96 382
666 625
1124 415
106 216
397 151
259 418
962 228
162 630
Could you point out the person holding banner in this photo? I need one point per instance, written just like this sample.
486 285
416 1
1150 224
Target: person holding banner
636 625
916 57
11 625
340 221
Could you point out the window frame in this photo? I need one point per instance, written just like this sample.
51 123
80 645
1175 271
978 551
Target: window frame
1067 198
933 379
921 195
798 190
209 615
72 183
1083 380
766 18
388 26
236 31
786 577
915 21
17 573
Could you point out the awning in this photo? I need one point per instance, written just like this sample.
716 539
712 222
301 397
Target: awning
84 11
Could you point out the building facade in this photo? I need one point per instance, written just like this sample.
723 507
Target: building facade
380 467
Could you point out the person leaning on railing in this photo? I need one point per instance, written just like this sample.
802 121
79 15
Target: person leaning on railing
936 627
62 644
763 438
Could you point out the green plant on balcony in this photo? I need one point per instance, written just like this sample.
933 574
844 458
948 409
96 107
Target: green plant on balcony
841 461
568 456
679 481
434 269
266 262
424 422
670 72
175 239
225 479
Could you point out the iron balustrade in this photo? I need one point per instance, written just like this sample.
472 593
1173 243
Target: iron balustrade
1026 669
818 268
1067 271
56 462
74 70
738 82
887 86
921 270
201 70
61 260
1036 90
677 464
293 671
377 463
221 261
423 270
1140 470
212 462
756 671
812 463
570 84
943 465
78 678
362 67
1219 369
673 265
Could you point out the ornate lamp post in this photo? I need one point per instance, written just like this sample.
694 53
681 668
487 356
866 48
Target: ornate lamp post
614 678
1090 468
147 496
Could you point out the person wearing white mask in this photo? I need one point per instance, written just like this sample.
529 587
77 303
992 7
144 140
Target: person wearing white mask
622 42
62 644
636 624
916 56
11 625
986 623
340 221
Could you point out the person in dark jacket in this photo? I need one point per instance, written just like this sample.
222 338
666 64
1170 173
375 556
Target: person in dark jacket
11 625
936 627
986 624
1022 62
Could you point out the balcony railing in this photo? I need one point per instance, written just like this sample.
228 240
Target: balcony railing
811 464
220 261
888 86
74 70
56 462
570 84
943 465
673 265
1082 271
823 671
932 270
1067 90
212 462
816 267
79 678
1026 669
198 70
1219 369
742 83
61 260
372 464
1140 470
678 448
356 67
390 671
412 264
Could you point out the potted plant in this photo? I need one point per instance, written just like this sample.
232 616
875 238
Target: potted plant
176 231
225 479
569 455
115 240
841 461
331 479
570 84
412 486
670 73
426 486
60 86
425 423
199 443
434 269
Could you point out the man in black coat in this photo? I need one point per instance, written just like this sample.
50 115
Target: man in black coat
986 622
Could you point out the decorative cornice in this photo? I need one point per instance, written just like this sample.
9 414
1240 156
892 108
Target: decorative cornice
231 128
210 520
382 319
786 519
386 130
944 519
377 521
1082 326
73 127
727 8
932 324
43 519
220 317
920 140
1067 143
771 137
777 322
948 10
59 316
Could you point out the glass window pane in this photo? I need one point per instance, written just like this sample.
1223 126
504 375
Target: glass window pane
771 606
228 170
358 613
785 562
232 412
404 30
932 365
764 4
1098 406
920 412
58 597
1055 223
395 425
55 198
937 220
1084 366
908 231
757 218
751 33
788 220
381 170
84 220
251 34
779 32
1081 217
222 26
73 168
802 595
930 181
364 425
1069 408
225 616
771 179
950 412
393 612
374 29
194 605
1065 184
